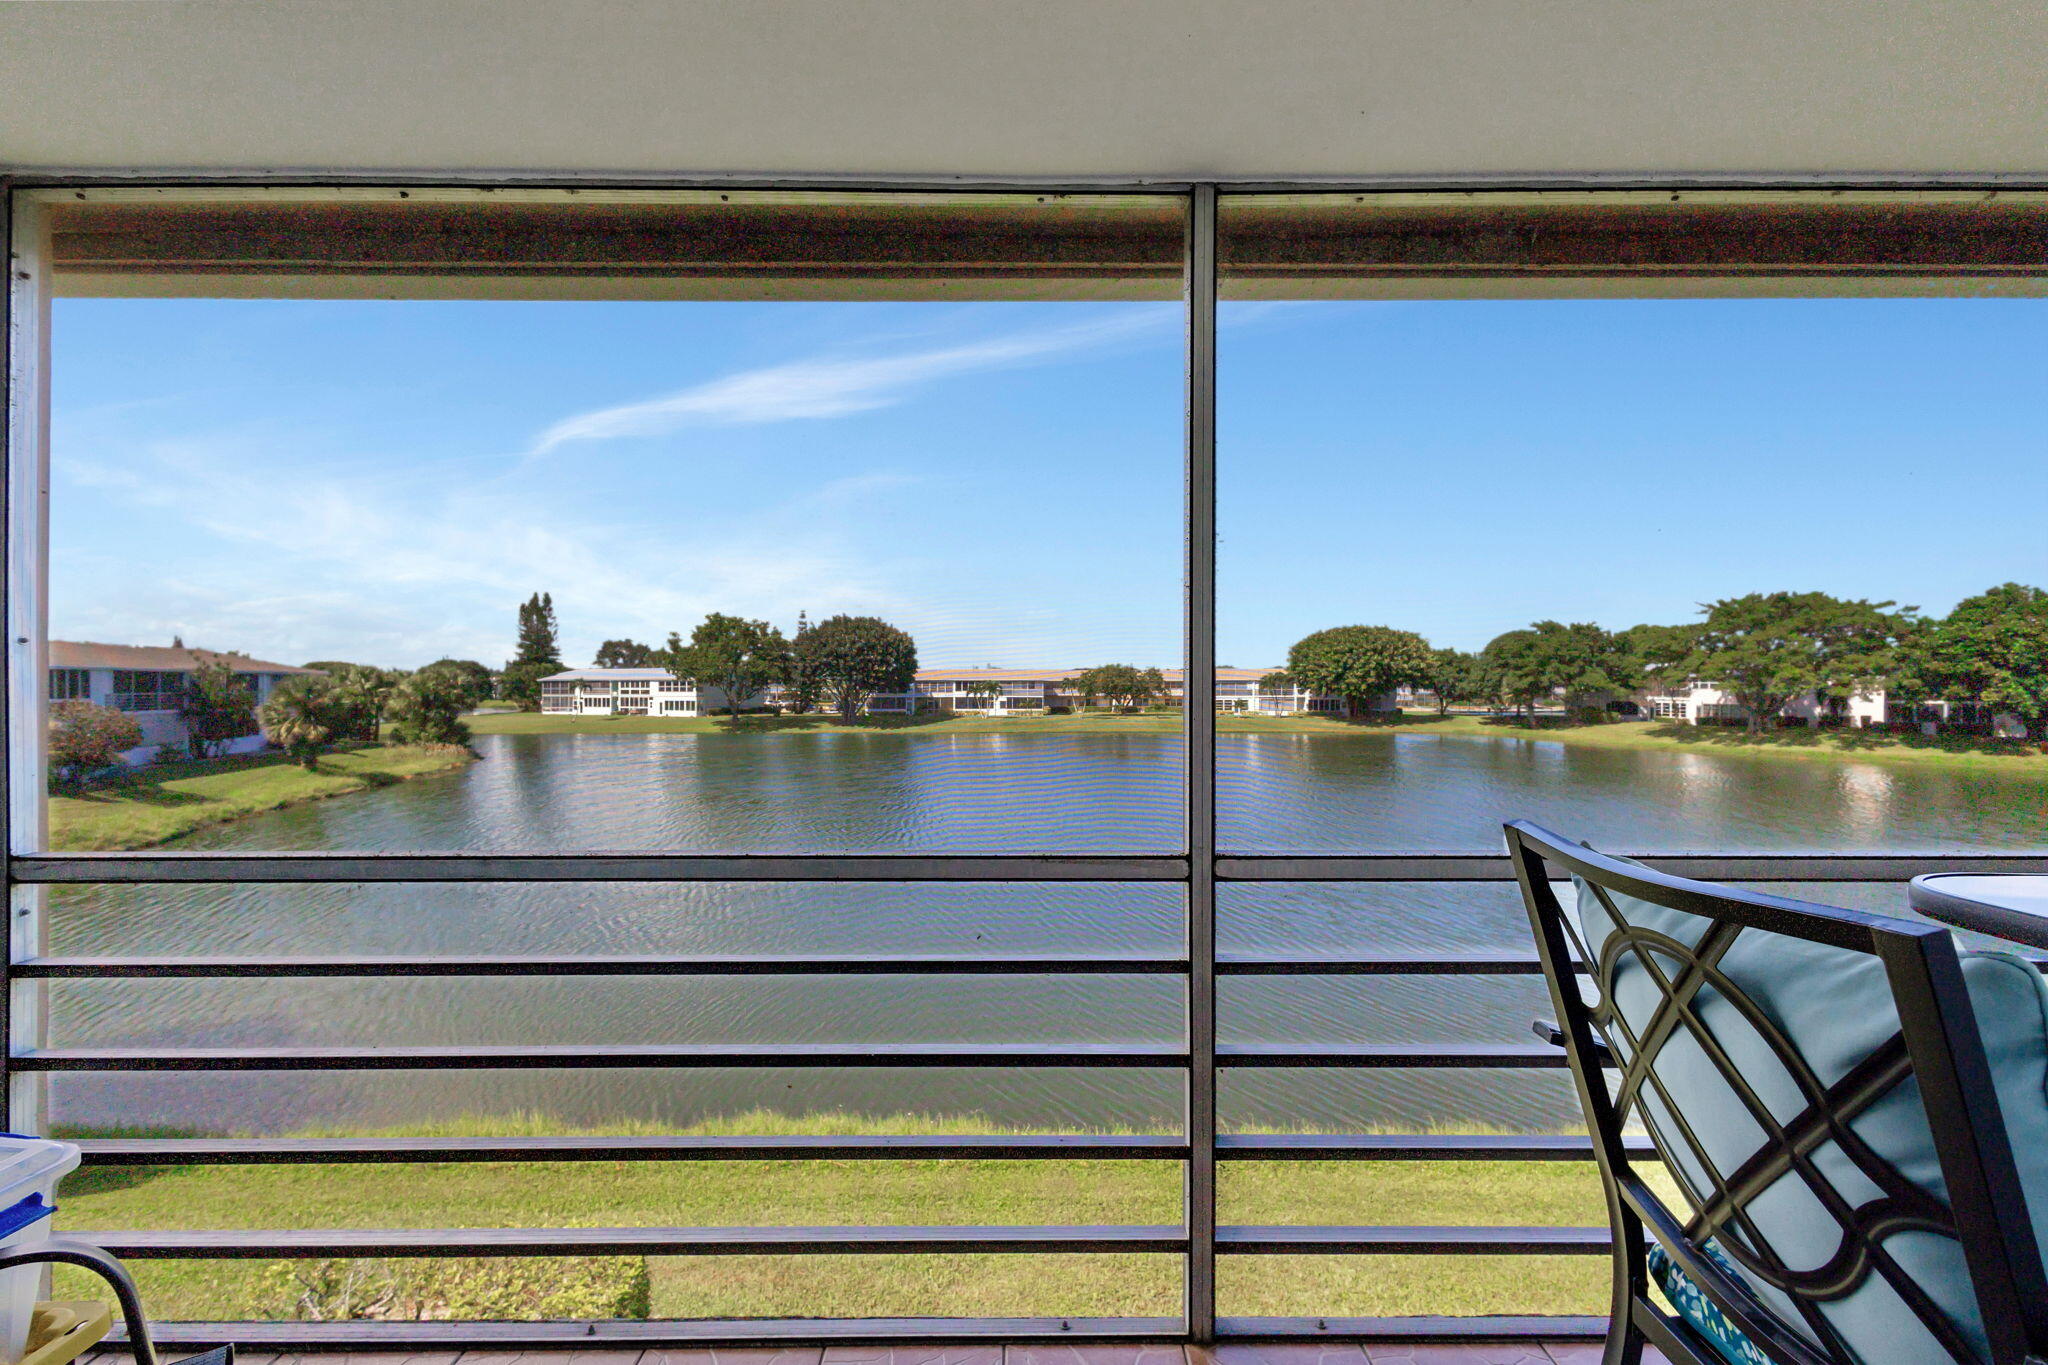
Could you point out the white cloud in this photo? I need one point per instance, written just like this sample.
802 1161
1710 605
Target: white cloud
424 572
807 390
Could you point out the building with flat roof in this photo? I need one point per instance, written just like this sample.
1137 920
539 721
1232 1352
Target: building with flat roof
149 683
966 691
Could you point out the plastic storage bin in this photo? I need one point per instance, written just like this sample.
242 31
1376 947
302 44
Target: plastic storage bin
30 1168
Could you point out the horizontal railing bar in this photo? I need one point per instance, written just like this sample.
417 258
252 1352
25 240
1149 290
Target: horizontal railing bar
648 964
1415 1147
1514 1055
622 1334
248 1244
91 868
802 964
1246 1240
498 1058
1418 1328
583 867
1745 867
920 1147
806 1147
1412 1241
501 1058
1379 964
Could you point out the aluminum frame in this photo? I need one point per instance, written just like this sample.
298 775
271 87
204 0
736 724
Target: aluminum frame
1199 870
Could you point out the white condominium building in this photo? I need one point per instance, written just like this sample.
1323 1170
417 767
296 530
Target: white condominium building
967 691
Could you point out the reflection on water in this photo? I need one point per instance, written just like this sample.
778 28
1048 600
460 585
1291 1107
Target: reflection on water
1035 793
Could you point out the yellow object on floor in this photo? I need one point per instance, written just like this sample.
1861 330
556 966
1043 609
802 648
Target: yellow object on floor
62 1332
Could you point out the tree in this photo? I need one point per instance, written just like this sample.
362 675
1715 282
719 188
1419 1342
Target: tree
1511 672
218 705
85 738
1121 685
982 687
538 654
1660 653
1453 677
538 632
357 697
1991 650
739 657
853 657
476 679
427 706
1765 649
1588 665
1358 663
301 717
626 654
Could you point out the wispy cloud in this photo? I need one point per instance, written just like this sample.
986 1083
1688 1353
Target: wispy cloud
403 574
822 387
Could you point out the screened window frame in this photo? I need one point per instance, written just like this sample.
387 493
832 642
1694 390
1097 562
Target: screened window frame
1200 867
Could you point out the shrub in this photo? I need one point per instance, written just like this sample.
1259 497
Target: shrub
219 705
85 738
463 1288
427 708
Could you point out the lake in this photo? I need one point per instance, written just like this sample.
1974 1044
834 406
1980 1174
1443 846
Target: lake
916 793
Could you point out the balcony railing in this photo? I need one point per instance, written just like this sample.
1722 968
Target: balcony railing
1198 1056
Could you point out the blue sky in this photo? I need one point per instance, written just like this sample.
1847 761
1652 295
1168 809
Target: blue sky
385 481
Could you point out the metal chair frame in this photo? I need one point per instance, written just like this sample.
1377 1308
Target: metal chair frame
1938 1046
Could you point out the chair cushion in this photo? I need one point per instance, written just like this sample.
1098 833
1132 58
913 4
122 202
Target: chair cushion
1832 1008
1699 1311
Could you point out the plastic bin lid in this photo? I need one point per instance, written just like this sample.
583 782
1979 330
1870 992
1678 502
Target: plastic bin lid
20 1215
26 1161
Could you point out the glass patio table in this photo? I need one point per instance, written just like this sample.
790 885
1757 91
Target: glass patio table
2013 907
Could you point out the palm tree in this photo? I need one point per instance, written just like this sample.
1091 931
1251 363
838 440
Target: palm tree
299 717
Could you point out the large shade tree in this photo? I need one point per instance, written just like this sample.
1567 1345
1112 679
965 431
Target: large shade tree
1767 648
626 654
1991 650
1121 685
1510 672
850 658
739 657
1453 677
1584 664
1358 663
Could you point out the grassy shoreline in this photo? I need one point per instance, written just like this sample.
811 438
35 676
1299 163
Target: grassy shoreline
160 803
882 1193
1956 752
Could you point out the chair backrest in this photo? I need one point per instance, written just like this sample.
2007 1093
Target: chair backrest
1816 1083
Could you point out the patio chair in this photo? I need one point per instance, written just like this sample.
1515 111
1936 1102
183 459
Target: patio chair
1852 1111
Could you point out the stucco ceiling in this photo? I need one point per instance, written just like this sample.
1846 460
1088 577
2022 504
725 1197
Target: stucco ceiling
1028 87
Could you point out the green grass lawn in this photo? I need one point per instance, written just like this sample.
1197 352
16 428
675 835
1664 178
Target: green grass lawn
876 1193
1966 753
166 800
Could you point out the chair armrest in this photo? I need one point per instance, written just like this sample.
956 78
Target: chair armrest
1550 1033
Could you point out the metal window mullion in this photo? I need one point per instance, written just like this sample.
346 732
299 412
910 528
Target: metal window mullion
24 524
1198 721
